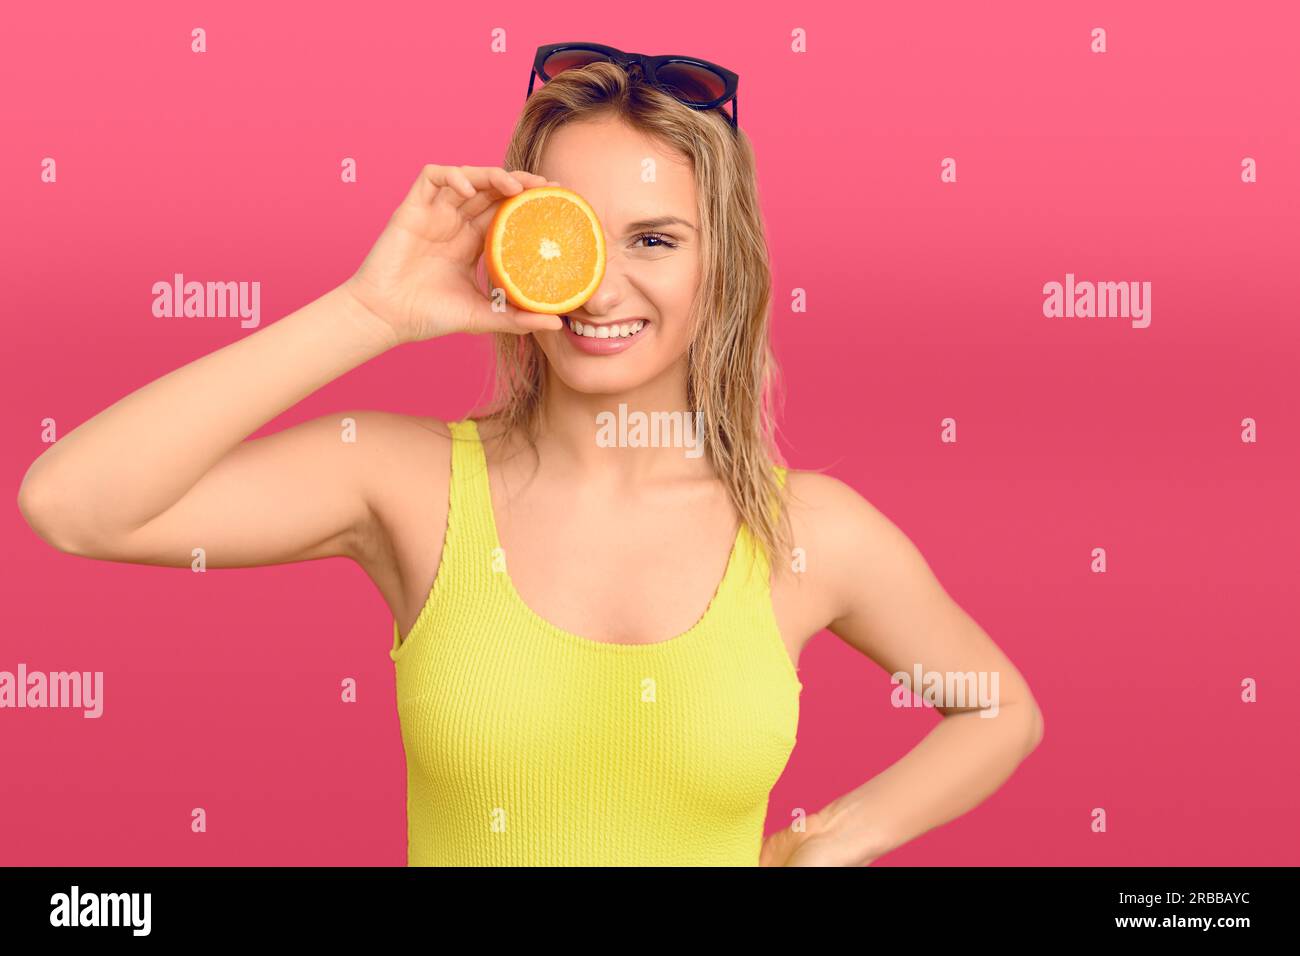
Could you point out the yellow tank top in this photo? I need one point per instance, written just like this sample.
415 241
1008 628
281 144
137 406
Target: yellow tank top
527 745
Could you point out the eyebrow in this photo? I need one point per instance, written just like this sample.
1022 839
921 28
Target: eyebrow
658 223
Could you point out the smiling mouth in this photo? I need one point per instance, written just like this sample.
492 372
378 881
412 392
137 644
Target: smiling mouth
612 330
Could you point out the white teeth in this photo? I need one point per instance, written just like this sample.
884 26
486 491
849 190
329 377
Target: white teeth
622 331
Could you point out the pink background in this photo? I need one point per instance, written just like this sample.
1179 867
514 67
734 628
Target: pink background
925 301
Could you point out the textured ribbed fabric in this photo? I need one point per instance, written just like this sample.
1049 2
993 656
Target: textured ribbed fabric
527 745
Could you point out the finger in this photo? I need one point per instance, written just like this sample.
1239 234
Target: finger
482 207
464 189
490 184
531 180
506 183
435 180
500 185
482 219
473 208
491 179
487 184
536 321
452 186
513 320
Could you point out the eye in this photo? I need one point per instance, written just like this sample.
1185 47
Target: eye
664 241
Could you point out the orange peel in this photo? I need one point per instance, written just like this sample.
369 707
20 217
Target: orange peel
545 249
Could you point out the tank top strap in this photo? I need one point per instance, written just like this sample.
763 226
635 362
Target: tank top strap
471 529
469 553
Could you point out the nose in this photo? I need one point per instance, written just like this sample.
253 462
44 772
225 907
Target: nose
609 294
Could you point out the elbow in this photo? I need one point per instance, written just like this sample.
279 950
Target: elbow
1035 726
41 509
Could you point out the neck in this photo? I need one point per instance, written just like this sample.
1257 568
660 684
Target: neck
571 424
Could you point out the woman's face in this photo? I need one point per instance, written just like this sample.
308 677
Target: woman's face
652 268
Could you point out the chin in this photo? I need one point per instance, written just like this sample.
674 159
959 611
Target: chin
612 375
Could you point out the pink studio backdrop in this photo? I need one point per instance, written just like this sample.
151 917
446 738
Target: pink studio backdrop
925 301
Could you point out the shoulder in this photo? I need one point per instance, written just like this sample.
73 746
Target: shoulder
364 448
829 509
404 469
846 539
392 444
414 445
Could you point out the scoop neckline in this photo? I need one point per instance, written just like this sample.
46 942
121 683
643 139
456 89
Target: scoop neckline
610 646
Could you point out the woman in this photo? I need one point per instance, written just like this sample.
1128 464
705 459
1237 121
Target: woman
595 647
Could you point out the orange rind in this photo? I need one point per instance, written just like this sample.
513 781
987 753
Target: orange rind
545 249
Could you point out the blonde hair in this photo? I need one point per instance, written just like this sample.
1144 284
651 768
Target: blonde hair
732 373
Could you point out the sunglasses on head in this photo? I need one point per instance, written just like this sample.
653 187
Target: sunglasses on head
698 83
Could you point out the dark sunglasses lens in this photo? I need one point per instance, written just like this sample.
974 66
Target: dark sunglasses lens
694 84
563 60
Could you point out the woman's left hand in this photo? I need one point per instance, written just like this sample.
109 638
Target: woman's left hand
812 847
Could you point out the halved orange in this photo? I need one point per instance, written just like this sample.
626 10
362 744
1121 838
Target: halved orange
546 250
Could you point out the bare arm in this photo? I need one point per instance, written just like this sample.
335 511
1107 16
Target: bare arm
892 609
168 468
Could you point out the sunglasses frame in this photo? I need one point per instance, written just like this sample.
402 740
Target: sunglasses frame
648 66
